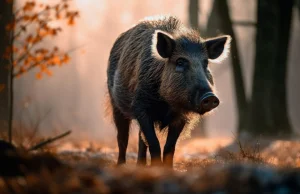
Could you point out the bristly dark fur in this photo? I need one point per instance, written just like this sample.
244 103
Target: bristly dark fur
131 55
142 80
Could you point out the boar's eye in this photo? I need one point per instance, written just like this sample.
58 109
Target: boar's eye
181 64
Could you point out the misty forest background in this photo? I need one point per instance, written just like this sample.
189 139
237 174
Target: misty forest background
65 90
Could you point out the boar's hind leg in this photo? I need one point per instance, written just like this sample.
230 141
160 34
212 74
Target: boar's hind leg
122 124
173 134
142 153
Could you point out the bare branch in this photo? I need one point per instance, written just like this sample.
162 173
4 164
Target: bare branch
37 125
48 141
30 22
37 63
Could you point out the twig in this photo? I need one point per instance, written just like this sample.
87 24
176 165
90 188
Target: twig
37 125
50 140
36 64
242 151
30 22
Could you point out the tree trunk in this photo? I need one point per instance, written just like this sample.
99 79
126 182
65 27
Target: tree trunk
6 16
298 6
268 114
193 13
194 23
220 22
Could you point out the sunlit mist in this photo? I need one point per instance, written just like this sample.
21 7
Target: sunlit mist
73 98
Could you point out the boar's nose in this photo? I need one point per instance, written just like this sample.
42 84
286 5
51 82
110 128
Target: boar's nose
208 102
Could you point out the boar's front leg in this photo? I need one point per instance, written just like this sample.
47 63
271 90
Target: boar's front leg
175 128
147 127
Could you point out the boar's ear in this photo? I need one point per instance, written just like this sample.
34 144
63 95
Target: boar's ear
218 48
163 45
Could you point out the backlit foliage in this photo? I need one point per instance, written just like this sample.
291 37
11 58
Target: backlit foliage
32 25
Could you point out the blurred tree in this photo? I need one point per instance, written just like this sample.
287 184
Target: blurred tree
268 110
6 17
298 5
194 23
193 13
220 22
24 31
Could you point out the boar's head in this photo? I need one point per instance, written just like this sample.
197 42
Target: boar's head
186 81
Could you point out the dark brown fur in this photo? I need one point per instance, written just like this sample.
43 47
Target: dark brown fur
145 86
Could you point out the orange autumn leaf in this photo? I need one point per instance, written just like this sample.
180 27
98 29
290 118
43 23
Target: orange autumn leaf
49 73
56 60
53 32
39 57
71 21
65 6
43 32
22 69
43 67
38 75
58 16
41 51
29 38
57 8
34 17
26 17
37 39
65 59
27 61
29 6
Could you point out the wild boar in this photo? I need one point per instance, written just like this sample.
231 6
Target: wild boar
158 74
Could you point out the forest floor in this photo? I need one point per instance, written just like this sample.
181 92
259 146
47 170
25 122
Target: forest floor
215 165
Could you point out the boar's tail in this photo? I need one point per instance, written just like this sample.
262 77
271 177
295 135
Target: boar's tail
107 107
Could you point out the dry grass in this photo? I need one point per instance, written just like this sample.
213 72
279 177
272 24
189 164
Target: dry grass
90 168
246 154
101 177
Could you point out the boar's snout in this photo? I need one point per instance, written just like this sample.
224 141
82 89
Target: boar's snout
208 101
